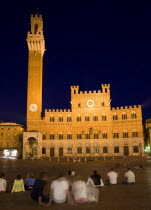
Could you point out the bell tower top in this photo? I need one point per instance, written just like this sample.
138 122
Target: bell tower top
35 37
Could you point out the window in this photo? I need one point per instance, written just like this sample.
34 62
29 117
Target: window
69 150
87 118
79 150
69 136
116 135
115 117
96 150
105 150
1 135
95 118
60 119
60 136
79 136
104 135
43 151
116 149
44 136
87 136
36 28
79 105
125 134
135 149
103 118
103 104
87 150
79 119
124 116
69 119
134 134
52 136
133 115
8 128
96 135
52 119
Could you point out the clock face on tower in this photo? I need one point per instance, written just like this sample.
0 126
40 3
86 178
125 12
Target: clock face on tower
33 107
90 103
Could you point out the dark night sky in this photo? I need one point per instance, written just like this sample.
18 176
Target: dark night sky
86 46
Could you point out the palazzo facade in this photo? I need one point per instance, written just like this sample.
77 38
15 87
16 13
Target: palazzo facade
91 127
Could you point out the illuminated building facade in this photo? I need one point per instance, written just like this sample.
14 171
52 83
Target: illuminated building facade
91 127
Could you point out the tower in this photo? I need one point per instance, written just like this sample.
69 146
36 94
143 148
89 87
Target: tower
36 49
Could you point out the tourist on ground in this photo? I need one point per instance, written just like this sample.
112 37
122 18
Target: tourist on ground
69 172
38 188
60 192
112 177
18 185
2 183
129 177
72 172
29 182
95 179
79 191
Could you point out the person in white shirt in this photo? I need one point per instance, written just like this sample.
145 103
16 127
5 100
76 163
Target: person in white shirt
129 177
60 191
112 177
79 191
72 173
2 183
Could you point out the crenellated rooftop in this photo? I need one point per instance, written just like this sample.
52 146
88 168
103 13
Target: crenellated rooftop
126 107
57 110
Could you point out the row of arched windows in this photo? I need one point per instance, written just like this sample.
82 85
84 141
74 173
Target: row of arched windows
95 135
95 117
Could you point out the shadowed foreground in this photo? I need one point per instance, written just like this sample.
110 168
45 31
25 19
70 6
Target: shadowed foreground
118 197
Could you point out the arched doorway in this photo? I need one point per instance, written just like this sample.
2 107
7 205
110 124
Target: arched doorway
52 152
126 151
32 146
60 152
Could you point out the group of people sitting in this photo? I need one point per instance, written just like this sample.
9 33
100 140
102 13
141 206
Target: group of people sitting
62 189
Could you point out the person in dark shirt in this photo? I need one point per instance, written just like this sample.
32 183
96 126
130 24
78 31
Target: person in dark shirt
96 178
38 188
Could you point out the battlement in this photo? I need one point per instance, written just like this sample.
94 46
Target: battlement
89 92
57 110
36 16
126 107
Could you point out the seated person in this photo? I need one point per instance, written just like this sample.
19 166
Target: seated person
18 185
69 172
95 179
29 182
79 191
2 183
72 173
112 177
60 192
38 188
129 177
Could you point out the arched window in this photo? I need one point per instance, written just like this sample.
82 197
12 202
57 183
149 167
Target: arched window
69 136
125 134
69 150
116 135
105 150
52 136
79 136
115 117
52 119
88 150
116 149
69 119
135 149
104 135
124 116
44 136
43 151
103 117
95 117
60 136
133 115
96 135
96 149
87 118
79 150
134 134
87 135
78 118
60 118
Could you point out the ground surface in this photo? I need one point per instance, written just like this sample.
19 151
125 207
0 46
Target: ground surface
120 197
